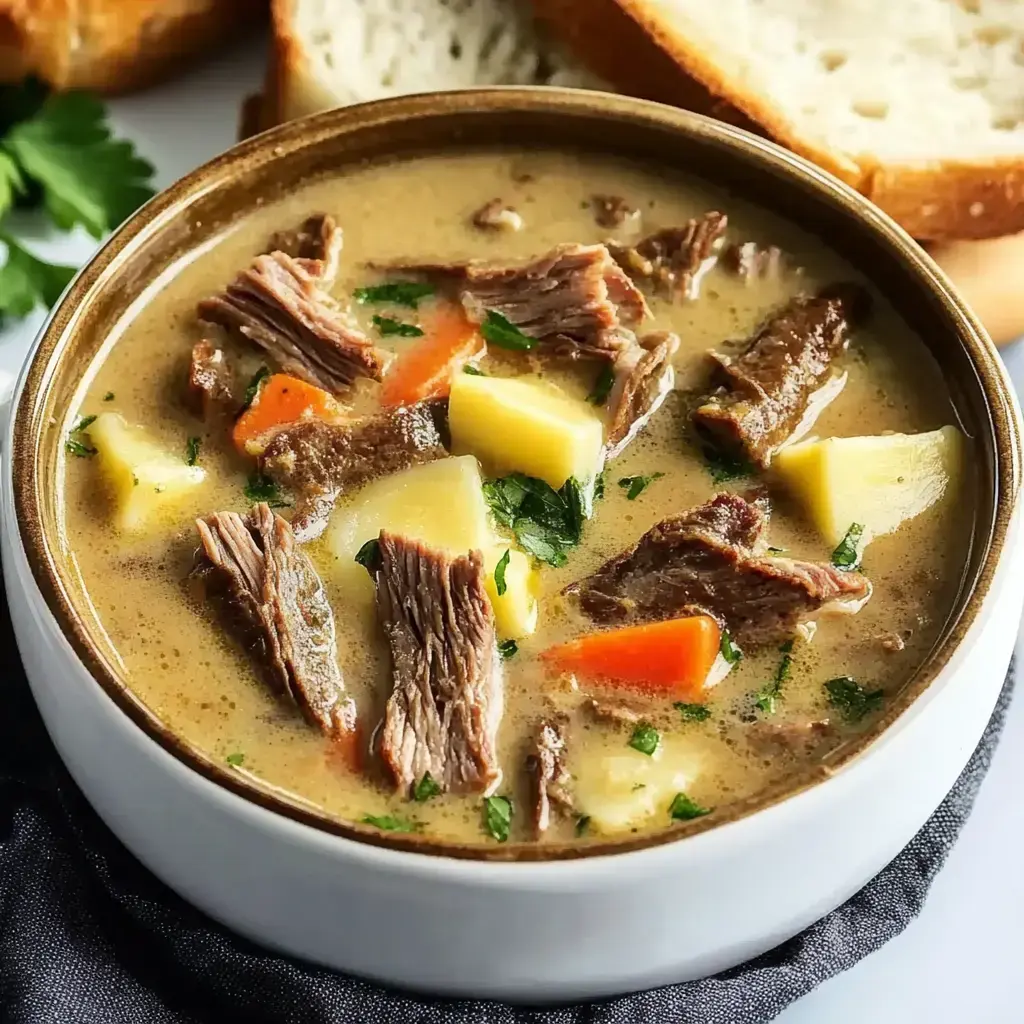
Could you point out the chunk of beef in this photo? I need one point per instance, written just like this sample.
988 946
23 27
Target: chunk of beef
753 262
278 305
644 378
675 259
273 599
497 215
709 559
210 381
550 780
442 716
776 388
316 243
614 211
319 461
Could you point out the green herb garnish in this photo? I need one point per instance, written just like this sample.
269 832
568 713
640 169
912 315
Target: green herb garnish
83 424
391 823
634 486
767 697
497 330
728 649
582 824
645 738
599 486
368 555
724 467
77 443
851 699
507 649
253 388
776 551
425 788
692 712
498 817
683 808
602 386
236 760
108 397
192 451
389 327
499 572
261 488
27 281
398 293
473 371
846 555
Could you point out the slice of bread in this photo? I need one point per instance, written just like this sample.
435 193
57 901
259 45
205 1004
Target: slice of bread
919 104
327 53
113 46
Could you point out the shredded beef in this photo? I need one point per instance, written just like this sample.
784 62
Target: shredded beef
316 243
318 461
675 259
272 598
613 211
644 377
210 381
442 716
550 780
710 559
778 385
752 262
278 305
497 215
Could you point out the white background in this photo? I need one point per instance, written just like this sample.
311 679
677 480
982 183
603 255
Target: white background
960 961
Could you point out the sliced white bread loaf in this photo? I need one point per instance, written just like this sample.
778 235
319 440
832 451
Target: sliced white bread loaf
919 104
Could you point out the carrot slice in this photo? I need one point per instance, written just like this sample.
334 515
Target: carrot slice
424 370
673 656
283 399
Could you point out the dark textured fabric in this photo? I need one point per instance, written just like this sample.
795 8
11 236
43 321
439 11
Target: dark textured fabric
88 936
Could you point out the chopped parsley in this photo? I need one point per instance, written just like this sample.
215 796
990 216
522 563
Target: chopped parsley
108 397
398 293
77 442
498 817
389 327
767 697
728 649
369 555
692 712
599 486
83 424
499 573
508 649
582 824
724 467
473 371
192 451
425 788
236 760
602 386
261 488
391 823
645 738
497 330
851 699
634 486
253 388
846 555
547 523
683 808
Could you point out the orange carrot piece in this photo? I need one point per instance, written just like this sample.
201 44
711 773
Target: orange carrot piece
283 399
672 657
424 370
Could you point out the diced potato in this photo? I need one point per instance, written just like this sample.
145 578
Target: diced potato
515 612
145 480
525 426
879 482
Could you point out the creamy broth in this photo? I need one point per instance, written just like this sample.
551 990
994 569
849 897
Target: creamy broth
180 661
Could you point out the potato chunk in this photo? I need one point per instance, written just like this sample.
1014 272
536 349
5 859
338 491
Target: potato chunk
441 504
879 482
145 480
525 426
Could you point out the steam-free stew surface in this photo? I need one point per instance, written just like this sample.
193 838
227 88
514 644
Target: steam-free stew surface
178 659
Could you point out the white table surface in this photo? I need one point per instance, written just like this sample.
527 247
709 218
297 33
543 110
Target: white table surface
959 962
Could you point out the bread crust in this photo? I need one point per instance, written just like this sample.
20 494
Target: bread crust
624 42
113 46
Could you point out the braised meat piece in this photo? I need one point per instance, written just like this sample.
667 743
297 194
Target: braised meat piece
316 243
318 461
550 780
277 304
442 716
751 261
270 594
644 378
776 388
675 259
710 559
210 381
497 215
614 211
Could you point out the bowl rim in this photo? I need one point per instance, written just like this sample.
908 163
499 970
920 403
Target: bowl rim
47 564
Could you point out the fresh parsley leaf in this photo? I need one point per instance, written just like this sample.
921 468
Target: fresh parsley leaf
391 823
77 442
729 650
12 182
683 808
236 759
192 451
425 788
498 817
599 486
767 697
108 397
507 649
634 486
497 330
724 467
83 424
582 824
27 281
87 178
369 555
398 293
846 555
389 327
499 572
261 488
473 371
851 699
253 387
20 101
645 738
602 386
692 712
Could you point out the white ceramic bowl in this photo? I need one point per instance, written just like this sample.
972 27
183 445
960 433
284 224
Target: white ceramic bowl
628 916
